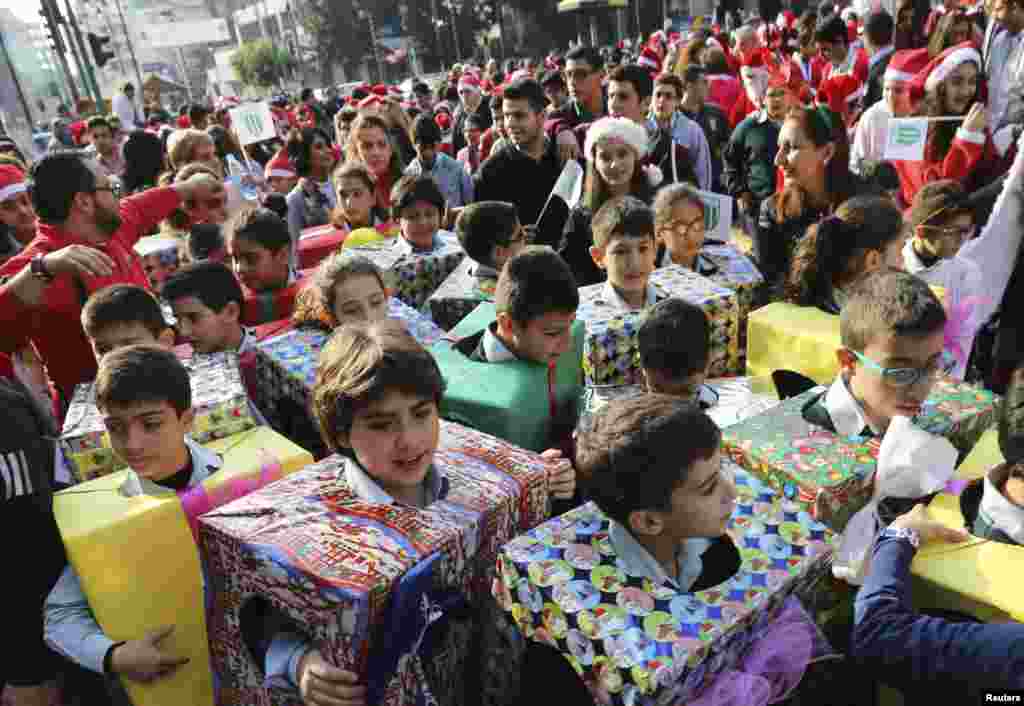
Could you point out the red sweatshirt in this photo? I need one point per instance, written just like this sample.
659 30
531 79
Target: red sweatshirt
55 327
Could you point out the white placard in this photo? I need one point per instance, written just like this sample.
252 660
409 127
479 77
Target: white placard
717 216
906 138
253 122
171 35
569 186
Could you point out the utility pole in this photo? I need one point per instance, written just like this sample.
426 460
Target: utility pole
131 47
14 77
86 63
52 17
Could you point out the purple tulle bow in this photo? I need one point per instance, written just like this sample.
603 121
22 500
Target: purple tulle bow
772 667
199 499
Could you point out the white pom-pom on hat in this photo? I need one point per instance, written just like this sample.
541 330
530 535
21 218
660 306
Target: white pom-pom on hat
621 129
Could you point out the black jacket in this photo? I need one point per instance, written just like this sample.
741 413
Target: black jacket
876 76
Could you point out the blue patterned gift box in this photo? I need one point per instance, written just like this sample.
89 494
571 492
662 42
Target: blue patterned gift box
363 580
610 354
219 400
737 272
459 294
634 642
285 365
414 276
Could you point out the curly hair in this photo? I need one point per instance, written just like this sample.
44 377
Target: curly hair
314 306
183 150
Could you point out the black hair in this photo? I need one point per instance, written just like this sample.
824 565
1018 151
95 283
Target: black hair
300 145
484 225
411 189
306 94
425 131
204 240
889 302
474 120
143 373
196 112
261 226
277 203
97 121
693 73
534 282
623 216
529 90
56 178
122 304
878 28
675 339
551 77
143 158
212 283
636 75
421 88
637 451
588 54
831 28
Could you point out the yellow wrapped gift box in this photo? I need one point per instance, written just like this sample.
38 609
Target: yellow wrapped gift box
783 336
138 563
979 577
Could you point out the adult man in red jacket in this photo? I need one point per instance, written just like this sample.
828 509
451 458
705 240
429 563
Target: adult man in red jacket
77 205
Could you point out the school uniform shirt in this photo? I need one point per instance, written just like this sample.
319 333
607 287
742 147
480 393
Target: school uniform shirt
286 649
869 137
450 176
637 561
71 628
611 296
491 348
998 518
903 647
845 412
689 134
750 157
440 239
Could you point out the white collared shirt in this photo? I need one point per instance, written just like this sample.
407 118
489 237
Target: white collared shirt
637 561
369 491
1003 514
611 296
846 413
441 238
494 350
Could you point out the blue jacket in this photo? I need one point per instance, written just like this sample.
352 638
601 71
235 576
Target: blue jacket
917 649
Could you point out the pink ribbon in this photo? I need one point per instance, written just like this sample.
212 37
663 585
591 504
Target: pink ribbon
958 318
200 499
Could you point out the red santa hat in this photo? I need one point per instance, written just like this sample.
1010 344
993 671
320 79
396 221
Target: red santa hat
839 91
649 59
443 120
753 61
280 165
905 65
379 90
469 82
938 69
787 75
369 102
785 20
12 182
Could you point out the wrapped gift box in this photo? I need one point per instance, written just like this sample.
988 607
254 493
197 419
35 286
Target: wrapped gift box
832 475
459 294
218 397
285 365
610 354
784 336
316 243
637 643
334 565
737 272
414 277
977 577
160 255
132 546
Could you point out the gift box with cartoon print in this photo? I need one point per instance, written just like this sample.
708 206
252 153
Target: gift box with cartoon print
347 572
219 400
831 475
285 365
634 642
413 277
737 272
459 294
610 354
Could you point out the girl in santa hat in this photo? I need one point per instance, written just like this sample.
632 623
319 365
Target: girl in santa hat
280 173
17 215
951 85
615 149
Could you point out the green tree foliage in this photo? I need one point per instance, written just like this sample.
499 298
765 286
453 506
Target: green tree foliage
260 63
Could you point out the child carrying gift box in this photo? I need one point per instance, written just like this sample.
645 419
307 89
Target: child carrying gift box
490 233
100 613
626 599
513 368
407 523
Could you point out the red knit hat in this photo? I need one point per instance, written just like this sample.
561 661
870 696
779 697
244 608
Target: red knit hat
837 92
12 182
936 70
280 165
905 65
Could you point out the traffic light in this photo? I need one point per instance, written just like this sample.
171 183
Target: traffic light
101 55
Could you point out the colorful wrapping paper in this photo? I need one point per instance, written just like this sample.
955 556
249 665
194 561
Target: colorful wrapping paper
285 365
832 475
138 563
737 272
459 294
784 336
218 397
610 355
414 277
341 569
634 642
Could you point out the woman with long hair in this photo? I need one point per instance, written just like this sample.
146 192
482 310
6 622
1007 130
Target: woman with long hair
814 159
865 234
954 28
951 86
311 201
370 144
144 161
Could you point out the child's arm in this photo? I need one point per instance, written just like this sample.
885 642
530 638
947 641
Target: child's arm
70 627
968 147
